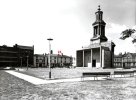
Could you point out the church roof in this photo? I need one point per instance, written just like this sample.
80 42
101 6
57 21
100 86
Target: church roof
126 55
99 22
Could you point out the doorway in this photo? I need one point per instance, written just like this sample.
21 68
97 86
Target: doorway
94 63
40 65
123 65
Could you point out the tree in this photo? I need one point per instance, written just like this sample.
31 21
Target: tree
128 33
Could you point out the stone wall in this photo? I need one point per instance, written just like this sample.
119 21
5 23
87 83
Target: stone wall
96 56
79 58
87 58
107 59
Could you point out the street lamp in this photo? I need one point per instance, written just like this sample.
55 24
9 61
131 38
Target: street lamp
27 62
49 39
21 62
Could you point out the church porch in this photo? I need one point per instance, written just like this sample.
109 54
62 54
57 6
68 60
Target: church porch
89 57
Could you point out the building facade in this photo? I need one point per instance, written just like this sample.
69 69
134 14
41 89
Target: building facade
8 56
61 60
56 60
40 60
127 60
100 52
16 56
118 61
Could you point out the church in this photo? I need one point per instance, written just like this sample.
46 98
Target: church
100 52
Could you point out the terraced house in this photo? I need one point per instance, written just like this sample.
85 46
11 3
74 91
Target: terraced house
126 60
40 60
56 60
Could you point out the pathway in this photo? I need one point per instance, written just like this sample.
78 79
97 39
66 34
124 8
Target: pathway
38 81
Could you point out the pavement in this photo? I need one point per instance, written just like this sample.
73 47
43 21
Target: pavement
38 81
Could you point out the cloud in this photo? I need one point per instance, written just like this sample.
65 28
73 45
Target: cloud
113 33
134 27
68 22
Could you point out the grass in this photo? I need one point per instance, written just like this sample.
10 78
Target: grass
62 73
13 88
56 73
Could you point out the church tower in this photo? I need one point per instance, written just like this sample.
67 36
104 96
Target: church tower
99 28
100 52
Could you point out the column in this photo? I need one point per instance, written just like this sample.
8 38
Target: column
100 30
104 30
83 59
122 62
91 57
94 31
100 56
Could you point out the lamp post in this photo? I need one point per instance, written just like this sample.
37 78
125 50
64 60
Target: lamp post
21 62
27 62
49 39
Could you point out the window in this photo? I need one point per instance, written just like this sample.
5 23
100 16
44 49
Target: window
114 64
37 60
114 59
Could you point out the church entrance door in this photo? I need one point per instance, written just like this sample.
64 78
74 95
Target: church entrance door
94 63
40 65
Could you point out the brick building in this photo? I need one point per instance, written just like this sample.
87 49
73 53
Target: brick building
126 60
56 60
40 60
17 55
118 61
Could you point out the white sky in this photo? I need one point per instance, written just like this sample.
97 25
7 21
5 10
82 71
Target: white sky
68 22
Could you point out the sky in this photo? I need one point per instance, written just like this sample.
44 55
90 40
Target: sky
68 22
